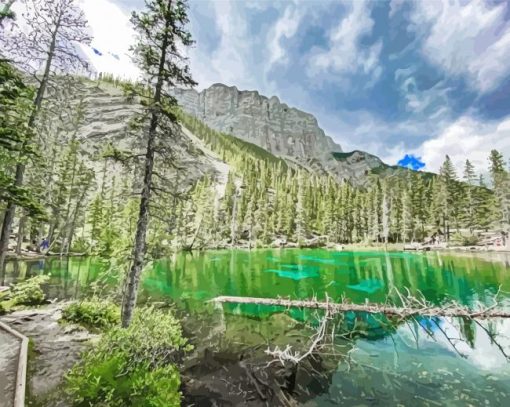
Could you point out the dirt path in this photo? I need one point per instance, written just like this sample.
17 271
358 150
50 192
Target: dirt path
56 348
9 353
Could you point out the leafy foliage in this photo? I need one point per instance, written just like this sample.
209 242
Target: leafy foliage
26 292
134 366
29 292
92 314
15 136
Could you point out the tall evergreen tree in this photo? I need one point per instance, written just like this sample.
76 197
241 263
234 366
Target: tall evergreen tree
501 185
50 44
162 33
469 195
448 194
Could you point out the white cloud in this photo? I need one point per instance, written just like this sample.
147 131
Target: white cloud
112 36
285 27
361 130
232 61
346 54
466 138
395 5
467 38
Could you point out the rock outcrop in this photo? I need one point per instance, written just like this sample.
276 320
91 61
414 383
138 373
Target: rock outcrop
274 126
282 130
106 116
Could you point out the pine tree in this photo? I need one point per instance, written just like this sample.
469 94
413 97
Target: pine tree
162 36
55 29
386 210
469 208
448 194
301 219
501 184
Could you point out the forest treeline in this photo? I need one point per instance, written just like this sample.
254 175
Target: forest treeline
128 198
88 203
54 188
265 199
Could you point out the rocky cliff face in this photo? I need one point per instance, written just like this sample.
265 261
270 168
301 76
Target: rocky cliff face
284 131
107 113
274 126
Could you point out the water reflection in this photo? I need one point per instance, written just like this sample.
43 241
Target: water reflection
437 359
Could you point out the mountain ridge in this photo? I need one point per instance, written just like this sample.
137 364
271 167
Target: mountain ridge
282 130
255 117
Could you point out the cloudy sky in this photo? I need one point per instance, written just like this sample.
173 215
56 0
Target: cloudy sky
389 77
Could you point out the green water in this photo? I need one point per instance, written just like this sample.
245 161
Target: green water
427 361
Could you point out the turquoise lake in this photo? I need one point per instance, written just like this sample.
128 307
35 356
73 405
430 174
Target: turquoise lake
423 361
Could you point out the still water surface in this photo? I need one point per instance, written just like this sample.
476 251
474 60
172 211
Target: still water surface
427 361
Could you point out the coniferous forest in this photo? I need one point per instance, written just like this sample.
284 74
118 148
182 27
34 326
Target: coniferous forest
72 197
114 173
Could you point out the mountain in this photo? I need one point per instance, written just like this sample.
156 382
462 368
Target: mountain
284 131
106 117
274 126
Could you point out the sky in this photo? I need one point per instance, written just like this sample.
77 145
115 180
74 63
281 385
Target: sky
396 77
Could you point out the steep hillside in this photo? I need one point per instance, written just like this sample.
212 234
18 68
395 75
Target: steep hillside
107 113
281 130
276 127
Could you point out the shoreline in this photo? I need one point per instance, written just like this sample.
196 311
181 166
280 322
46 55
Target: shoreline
391 247
39 256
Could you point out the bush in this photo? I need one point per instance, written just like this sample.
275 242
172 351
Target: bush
470 240
81 245
132 366
26 292
92 314
29 292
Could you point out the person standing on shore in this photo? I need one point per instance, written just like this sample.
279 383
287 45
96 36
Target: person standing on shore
45 244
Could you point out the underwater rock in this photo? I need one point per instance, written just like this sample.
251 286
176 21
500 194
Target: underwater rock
368 286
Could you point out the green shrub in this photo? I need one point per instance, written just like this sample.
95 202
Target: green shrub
464 240
26 292
95 314
132 366
81 245
470 240
29 292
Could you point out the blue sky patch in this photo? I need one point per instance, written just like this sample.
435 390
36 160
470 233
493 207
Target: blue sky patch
411 162
391 77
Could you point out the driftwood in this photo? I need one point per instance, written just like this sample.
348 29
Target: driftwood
417 308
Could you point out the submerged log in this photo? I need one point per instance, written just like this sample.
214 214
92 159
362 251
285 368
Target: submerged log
453 310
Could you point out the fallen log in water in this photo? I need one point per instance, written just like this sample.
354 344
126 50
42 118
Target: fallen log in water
451 310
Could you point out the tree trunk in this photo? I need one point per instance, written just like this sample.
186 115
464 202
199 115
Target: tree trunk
140 246
404 311
20 167
21 232
8 219
233 226
75 217
53 227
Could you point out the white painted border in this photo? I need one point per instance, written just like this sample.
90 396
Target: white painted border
21 377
